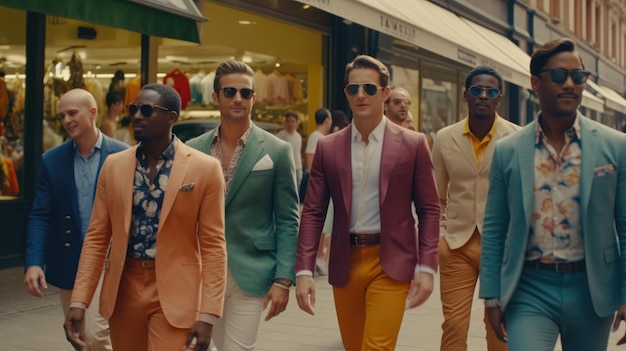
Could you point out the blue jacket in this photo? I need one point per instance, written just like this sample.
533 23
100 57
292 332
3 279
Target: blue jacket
54 238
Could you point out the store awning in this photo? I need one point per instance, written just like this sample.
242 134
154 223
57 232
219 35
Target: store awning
592 102
435 29
161 18
612 99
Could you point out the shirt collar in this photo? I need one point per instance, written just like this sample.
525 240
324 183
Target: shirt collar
97 146
574 130
167 154
466 129
243 139
376 134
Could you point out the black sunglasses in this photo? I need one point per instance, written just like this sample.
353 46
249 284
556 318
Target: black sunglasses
369 89
229 92
559 75
146 110
477 91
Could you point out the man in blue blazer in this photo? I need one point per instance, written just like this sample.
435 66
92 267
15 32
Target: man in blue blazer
261 210
553 258
62 207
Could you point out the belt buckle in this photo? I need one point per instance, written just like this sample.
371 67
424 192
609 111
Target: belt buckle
563 267
360 242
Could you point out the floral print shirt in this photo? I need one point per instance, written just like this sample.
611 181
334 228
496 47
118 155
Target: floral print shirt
555 230
148 197
216 151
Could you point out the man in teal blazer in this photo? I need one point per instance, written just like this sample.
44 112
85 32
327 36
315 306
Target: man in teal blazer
261 210
553 258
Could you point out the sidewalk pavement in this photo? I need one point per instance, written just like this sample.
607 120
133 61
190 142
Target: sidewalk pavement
29 323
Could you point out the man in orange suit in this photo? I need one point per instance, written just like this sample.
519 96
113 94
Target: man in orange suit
374 171
160 208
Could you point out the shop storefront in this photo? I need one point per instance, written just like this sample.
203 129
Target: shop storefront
47 48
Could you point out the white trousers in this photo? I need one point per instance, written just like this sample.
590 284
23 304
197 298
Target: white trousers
96 326
238 328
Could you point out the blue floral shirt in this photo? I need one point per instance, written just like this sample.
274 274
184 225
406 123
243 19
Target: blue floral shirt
148 197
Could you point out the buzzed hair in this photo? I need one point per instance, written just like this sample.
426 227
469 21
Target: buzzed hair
168 96
230 67
321 115
483 70
397 89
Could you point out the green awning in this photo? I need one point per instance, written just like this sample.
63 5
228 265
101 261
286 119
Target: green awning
152 17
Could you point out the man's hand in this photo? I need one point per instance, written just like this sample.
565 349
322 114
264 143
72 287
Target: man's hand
34 280
279 297
305 293
496 321
75 328
421 288
199 337
619 317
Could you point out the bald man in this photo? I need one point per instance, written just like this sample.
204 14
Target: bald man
61 210
397 106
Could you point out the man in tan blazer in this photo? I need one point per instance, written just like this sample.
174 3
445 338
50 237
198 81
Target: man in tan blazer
160 208
462 157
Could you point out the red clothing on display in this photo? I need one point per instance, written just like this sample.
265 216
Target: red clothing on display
179 81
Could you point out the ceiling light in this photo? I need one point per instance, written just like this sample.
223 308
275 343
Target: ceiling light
306 7
246 23
277 64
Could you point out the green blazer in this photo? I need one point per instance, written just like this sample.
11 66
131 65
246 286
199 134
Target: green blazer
261 211
602 214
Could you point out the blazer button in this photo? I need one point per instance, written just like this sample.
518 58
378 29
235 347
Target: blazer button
68 217
68 232
67 244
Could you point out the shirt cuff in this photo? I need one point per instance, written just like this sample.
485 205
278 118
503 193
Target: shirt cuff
208 318
81 305
425 269
305 272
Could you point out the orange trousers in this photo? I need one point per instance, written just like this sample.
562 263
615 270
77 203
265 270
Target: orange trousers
370 306
138 322
458 274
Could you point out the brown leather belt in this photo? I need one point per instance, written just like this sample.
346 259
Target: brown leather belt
136 262
559 267
360 240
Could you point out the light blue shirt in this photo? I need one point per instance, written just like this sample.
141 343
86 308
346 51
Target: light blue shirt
85 176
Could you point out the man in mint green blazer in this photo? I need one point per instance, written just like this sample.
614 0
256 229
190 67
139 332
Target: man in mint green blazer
553 258
261 210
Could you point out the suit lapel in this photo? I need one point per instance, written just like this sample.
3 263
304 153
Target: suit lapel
126 169
389 158
251 154
589 141
177 174
464 145
526 157
501 131
343 162
68 163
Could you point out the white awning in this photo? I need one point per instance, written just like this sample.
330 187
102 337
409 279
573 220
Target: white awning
591 101
612 99
436 29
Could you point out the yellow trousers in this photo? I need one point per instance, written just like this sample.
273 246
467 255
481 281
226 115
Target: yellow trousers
370 306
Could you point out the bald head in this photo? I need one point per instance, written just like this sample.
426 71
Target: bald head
397 105
77 112
81 97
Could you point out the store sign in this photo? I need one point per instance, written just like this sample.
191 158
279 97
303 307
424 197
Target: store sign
398 29
466 56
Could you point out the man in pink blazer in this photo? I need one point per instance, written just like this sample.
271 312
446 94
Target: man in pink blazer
374 171
159 214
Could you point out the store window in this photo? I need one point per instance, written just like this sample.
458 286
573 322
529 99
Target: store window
439 97
286 59
12 63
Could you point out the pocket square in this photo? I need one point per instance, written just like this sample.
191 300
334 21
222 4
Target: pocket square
603 170
264 164
187 187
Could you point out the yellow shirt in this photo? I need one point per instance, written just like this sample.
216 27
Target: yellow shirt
479 146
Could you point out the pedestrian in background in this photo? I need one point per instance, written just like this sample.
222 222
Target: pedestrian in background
261 210
158 223
373 171
462 157
58 221
553 257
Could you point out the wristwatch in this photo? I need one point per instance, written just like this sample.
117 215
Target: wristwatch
492 303
284 282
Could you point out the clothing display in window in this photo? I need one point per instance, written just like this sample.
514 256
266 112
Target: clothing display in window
179 81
